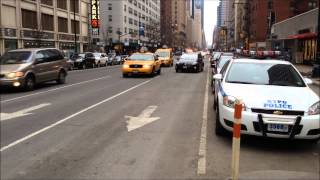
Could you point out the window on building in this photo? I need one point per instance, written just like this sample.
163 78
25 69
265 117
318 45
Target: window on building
143 8
73 24
130 1
110 18
110 29
135 2
47 22
125 8
130 10
125 19
109 6
61 4
29 19
74 6
62 24
130 21
47 2
135 13
136 22
139 5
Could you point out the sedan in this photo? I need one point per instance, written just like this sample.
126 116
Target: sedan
100 59
277 101
190 62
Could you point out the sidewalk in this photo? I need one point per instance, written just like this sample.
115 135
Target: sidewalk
306 71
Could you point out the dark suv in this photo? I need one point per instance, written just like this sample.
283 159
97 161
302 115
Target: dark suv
84 60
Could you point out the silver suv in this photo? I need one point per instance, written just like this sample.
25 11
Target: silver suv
24 68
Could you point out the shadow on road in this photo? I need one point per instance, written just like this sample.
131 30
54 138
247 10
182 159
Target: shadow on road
42 86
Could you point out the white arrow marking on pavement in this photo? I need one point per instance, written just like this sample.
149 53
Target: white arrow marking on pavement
23 112
142 120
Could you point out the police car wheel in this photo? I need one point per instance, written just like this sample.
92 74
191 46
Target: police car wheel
220 131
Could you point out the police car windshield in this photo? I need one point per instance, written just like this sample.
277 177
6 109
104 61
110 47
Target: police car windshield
264 74
141 57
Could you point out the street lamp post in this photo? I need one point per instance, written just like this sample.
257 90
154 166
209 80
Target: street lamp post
75 26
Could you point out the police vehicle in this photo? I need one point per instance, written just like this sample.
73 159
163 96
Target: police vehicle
277 101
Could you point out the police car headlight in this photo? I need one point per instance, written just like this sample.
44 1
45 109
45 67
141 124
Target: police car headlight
230 101
314 109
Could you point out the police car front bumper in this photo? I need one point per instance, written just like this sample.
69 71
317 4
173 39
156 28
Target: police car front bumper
299 127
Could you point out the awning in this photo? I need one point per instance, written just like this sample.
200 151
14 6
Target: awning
303 36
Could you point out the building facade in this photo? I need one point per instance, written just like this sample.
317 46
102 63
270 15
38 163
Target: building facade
44 23
131 23
265 13
166 22
173 23
297 35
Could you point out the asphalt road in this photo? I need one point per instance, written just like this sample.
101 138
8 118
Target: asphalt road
102 126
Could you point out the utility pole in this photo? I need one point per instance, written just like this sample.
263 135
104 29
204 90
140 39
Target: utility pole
75 26
139 32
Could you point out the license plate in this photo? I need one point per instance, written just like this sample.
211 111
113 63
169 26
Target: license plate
184 67
135 71
278 127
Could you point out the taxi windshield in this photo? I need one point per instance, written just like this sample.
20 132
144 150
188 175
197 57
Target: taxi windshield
141 57
163 53
264 74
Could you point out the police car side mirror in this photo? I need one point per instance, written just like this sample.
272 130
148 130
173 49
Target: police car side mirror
307 80
217 76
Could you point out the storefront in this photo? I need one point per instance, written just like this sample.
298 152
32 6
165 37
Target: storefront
38 44
297 37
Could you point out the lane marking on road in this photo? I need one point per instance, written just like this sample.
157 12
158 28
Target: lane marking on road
55 89
69 117
23 112
203 136
88 70
143 119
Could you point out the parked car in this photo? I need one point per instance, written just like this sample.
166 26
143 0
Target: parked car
141 64
67 55
100 59
190 62
24 68
111 59
84 60
118 60
271 107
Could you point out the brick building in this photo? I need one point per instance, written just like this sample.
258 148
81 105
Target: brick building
264 13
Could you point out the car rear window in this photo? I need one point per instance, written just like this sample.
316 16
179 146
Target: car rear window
141 57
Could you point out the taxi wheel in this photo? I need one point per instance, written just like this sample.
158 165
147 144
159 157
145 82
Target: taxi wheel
159 71
220 131
124 75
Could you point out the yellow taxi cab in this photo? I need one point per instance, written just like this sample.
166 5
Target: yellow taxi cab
141 64
165 56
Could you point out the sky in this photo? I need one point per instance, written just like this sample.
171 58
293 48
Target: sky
210 17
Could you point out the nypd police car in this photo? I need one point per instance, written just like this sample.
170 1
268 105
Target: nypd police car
277 101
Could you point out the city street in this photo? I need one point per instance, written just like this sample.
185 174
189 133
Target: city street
102 126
